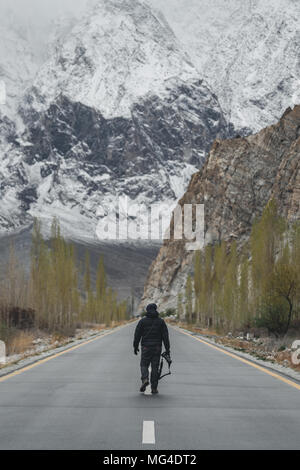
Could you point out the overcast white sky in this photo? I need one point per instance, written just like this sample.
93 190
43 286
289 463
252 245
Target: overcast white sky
39 14
37 17
35 10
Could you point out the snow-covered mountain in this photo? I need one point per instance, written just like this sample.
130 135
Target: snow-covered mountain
255 70
119 52
127 100
120 106
247 50
200 24
25 46
118 109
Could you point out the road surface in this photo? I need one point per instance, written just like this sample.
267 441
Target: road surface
87 398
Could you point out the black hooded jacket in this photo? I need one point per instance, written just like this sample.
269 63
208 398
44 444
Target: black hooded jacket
151 331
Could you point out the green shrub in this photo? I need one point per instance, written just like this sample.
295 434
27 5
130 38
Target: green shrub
274 317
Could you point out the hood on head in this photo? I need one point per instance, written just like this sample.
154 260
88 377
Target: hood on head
151 310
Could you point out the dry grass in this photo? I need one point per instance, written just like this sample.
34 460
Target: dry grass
20 343
195 328
103 326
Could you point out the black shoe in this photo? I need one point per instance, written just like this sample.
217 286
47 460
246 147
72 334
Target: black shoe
144 385
154 391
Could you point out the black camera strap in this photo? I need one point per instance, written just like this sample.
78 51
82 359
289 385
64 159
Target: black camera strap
169 362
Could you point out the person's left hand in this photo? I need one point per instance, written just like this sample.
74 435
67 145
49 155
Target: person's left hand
136 351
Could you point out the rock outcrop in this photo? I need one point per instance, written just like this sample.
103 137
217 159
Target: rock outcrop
286 188
235 184
72 161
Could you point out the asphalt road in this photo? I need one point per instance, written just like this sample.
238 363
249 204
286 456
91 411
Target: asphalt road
88 398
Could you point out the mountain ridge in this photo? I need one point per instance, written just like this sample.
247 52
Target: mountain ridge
116 54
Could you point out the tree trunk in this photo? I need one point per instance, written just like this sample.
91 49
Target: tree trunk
290 315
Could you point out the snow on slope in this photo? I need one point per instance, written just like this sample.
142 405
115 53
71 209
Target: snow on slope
255 70
198 24
118 53
247 50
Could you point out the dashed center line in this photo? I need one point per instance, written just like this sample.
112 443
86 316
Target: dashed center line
148 432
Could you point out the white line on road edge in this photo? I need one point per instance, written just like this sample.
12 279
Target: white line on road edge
148 432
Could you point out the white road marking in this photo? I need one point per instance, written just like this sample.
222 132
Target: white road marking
148 432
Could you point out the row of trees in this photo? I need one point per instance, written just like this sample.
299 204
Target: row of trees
58 293
256 284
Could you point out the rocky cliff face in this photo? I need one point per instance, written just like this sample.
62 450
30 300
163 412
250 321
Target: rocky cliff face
286 189
236 182
71 161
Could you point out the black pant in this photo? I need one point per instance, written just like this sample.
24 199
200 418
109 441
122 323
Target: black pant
150 355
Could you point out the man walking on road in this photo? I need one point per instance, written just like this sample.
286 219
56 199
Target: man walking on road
152 331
